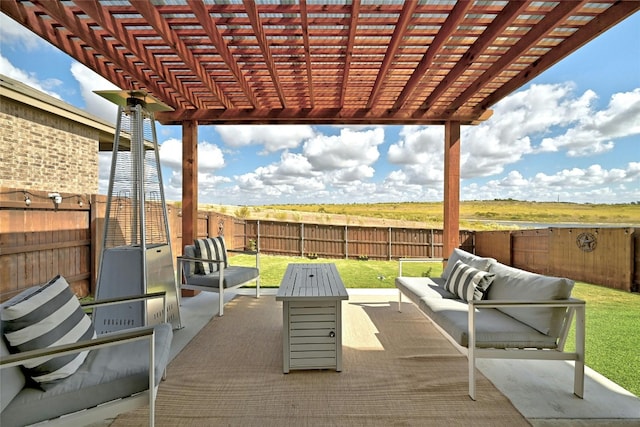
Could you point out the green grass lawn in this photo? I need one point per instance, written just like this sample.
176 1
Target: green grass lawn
612 316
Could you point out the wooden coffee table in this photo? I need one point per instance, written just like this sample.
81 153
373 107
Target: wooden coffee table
312 296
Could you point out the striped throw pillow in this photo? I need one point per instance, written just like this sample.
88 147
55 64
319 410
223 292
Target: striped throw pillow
468 283
48 317
210 248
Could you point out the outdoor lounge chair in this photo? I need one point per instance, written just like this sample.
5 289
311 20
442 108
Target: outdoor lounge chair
205 265
94 379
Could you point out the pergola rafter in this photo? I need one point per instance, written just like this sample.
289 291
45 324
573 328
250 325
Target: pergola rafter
320 62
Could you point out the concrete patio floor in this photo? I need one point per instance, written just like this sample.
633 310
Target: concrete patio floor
540 390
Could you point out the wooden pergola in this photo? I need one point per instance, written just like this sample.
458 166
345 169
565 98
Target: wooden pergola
318 62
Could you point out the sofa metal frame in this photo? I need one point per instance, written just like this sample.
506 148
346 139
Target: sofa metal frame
575 308
112 408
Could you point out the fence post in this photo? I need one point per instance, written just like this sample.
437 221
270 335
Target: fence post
301 239
389 243
431 239
346 242
258 235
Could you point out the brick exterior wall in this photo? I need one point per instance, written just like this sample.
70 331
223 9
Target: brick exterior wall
43 151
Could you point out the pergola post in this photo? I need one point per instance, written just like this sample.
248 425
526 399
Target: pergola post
189 185
451 232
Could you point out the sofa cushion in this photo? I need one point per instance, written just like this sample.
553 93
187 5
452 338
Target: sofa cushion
11 379
210 248
233 276
108 373
416 288
48 317
467 282
494 329
511 283
468 258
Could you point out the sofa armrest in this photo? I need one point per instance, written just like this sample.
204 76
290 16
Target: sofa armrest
243 251
111 339
576 307
182 259
403 260
247 252
570 302
120 300
182 274
107 340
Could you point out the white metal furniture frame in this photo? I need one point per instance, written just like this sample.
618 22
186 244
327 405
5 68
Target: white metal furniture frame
218 277
575 308
112 408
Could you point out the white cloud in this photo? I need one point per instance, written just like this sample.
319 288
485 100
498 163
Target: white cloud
210 157
583 185
594 131
508 138
419 146
15 36
104 171
89 81
30 79
348 150
273 138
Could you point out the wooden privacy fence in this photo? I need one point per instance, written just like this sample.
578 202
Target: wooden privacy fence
39 239
606 256
346 241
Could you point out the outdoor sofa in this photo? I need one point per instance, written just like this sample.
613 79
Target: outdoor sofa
91 378
491 310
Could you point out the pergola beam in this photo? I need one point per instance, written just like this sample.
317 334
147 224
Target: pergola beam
361 116
98 58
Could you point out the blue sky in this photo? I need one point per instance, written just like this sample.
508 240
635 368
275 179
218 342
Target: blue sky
572 134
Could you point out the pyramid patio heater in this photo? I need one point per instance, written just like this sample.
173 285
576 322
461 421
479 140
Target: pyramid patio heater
136 253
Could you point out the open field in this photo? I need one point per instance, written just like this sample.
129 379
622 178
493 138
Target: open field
474 215
612 315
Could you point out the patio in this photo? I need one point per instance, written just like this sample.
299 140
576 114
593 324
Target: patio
344 63
543 397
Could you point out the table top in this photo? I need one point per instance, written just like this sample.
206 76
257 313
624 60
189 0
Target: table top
309 281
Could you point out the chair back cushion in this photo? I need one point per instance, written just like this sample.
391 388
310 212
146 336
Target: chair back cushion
473 260
512 283
212 248
189 268
48 317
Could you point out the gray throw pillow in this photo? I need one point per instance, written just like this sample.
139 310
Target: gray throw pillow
212 248
468 283
48 317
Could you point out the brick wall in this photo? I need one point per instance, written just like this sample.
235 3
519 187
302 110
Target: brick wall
43 151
